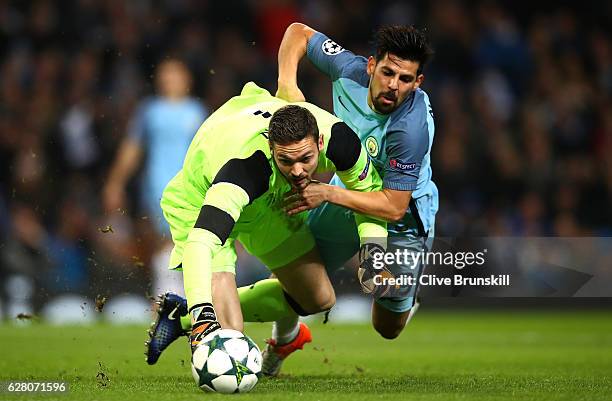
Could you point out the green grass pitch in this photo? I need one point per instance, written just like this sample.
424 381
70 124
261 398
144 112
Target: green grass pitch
465 355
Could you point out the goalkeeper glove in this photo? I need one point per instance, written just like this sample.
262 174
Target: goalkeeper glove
203 322
370 260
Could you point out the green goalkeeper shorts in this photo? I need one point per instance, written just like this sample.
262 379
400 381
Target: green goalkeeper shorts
280 241
276 241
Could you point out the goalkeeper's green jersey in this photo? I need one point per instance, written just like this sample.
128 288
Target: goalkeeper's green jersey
230 188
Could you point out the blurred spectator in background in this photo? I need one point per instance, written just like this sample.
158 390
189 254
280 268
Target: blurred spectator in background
162 128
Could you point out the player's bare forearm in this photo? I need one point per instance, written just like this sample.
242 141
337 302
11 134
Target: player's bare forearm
126 162
388 205
292 49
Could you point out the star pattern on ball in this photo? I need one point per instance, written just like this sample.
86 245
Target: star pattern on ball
227 361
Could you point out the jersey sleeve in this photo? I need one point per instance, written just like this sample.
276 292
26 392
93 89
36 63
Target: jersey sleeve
328 56
407 145
238 183
355 170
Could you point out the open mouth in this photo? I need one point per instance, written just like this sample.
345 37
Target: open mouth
300 183
388 100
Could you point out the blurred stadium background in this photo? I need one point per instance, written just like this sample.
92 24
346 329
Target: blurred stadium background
522 96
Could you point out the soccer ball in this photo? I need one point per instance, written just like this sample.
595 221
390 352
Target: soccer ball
226 361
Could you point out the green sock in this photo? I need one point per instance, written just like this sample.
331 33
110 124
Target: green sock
186 322
264 301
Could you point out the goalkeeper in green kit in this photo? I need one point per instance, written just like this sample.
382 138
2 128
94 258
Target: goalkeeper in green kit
243 160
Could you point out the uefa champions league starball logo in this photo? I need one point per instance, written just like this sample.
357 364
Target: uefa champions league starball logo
331 48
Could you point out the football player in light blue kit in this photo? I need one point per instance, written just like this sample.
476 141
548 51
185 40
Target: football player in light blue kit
162 129
380 99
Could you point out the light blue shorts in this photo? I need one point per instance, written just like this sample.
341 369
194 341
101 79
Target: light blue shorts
335 233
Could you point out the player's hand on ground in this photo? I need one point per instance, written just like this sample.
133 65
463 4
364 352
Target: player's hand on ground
311 197
290 93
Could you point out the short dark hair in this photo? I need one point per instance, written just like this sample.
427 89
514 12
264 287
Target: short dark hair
292 123
406 42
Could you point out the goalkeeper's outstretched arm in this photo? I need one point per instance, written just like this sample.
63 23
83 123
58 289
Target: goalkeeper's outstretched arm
237 184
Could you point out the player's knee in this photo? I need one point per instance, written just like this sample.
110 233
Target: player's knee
388 330
325 301
321 301
390 325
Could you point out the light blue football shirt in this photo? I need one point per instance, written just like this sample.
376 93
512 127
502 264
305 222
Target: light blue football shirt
399 143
